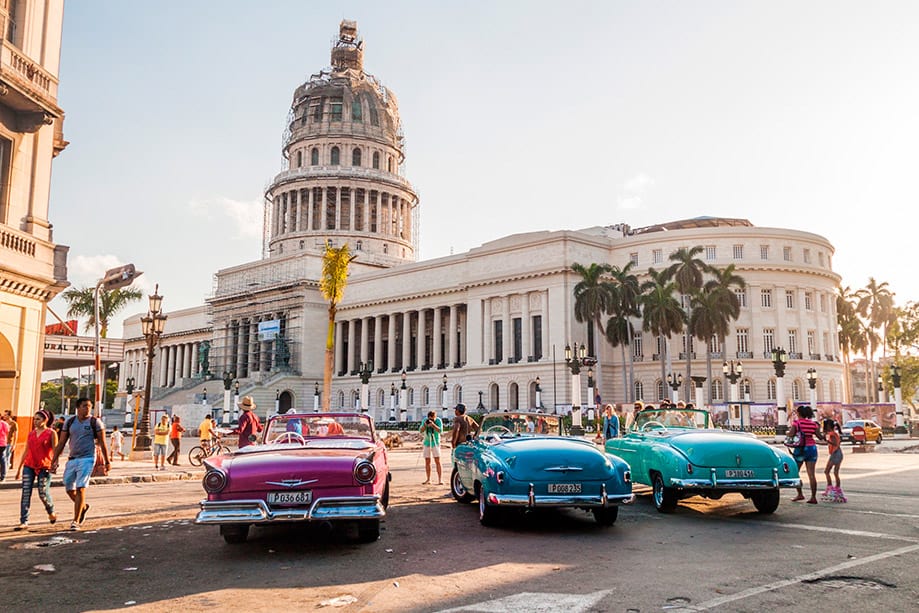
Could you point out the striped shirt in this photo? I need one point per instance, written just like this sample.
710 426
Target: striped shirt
809 428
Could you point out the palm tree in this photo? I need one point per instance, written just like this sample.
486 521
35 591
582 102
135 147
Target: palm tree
593 296
332 284
875 302
688 274
661 312
626 305
722 285
80 304
619 334
851 336
708 319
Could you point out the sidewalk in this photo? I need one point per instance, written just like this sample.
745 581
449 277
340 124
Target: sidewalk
121 472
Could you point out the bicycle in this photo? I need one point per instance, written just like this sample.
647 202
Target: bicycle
199 453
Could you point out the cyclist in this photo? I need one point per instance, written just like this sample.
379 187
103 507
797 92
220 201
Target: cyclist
206 433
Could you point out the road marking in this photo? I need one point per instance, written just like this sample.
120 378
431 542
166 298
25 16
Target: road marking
877 473
878 535
534 602
771 587
907 515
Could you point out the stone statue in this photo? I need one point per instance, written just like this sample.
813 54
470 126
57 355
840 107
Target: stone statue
281 353
204 350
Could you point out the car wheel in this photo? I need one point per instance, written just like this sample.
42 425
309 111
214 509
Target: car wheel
664 498
368 530
607 516
460 493
766 502
384 499
196 455
880 438
235 534
488 514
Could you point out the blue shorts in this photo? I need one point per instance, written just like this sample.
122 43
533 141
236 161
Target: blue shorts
77 473
159 450
806 454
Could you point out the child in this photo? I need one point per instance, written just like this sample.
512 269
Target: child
117 443
832 432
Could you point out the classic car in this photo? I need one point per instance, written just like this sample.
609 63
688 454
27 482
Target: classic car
521 461
873 432
679 455
307 467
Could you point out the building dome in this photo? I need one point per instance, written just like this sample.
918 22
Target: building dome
343 153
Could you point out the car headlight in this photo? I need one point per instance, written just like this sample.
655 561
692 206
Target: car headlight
214 481
365 472
500 477
785 467
627 476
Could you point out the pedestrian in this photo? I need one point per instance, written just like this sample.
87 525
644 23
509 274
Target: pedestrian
432 428
81 431
206 432
249 425
833 435
12 438
117 443
610 423
35 465
160 436
463 426
807 454
4 438
58 425
175 437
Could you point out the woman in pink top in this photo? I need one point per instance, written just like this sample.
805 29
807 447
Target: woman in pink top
807 454
36 465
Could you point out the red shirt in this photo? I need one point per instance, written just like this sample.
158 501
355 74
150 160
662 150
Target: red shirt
248 425
39 450
176 430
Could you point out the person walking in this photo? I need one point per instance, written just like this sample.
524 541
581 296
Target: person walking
35 465
463 426
4 434
175 437
160 436
117 441
249 425
81 432
610 423
432 428
833 435
807 454
12 437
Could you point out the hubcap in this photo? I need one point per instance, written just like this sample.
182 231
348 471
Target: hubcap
658 492
458 486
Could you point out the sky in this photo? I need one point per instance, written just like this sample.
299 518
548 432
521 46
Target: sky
518 117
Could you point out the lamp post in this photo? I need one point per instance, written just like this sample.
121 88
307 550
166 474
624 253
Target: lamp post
392 402
575 359
365 370
236 402
443 398
204 396
675 382
779 358
129 388
227 384
114 278
152 325
480 406
881 397
733 372
812 383
591 393
277 402
900 431
316 397
403 397
538 394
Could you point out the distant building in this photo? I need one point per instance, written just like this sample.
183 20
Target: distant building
492 320
33 269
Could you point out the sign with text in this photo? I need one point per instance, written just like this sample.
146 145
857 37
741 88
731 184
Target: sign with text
73 351
269 330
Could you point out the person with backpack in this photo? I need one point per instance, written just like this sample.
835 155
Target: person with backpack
81 431
249 425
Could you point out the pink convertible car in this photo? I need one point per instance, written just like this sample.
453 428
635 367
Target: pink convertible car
308 467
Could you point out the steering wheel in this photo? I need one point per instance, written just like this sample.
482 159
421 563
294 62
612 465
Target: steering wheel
289 437
645 427
499 430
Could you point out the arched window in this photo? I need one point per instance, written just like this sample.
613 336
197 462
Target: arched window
411 396
639 390
299 159
770 390
746 389
389 163
660 390
341 400
493 396
314 156
458 394
796 389
376 160
717 390
425 396
335 157
356 111
513 397
359 246
381 398
356 157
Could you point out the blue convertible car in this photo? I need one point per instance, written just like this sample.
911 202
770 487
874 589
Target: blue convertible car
521 461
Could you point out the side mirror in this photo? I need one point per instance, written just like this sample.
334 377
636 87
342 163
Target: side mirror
468 437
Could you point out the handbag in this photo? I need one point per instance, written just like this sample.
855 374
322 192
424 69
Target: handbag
99 468
796 441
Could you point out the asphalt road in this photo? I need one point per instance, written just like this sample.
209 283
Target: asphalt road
140 550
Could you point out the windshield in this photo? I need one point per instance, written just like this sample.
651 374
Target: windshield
852 424
313 426
671 418
522 423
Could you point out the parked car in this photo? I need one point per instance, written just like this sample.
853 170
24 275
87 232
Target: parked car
873 431
679 455
520 461
307 467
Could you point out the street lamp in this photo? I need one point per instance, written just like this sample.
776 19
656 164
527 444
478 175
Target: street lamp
443 397
392 402
733 372
152 326
227 385
480 406
236 402
779 359
403 397
316 397
365 370
675 383
538 394
129 384
114 278
204 397
277 402
900 431
575 359
812 383
881 388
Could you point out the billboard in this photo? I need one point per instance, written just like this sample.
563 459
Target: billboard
269 330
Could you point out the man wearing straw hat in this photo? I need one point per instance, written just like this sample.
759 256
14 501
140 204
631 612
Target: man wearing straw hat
249 425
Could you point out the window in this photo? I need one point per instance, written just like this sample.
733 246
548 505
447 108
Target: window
660 390
786 253
796 389
789 299
710 252
356 157
299 159
633 258
314 156
811 342
359 246
374 117
770 389
742 341
376 160
335 157
768 339
823 303
302 244
517 333
764 252
316 109
537 337
826 343
639 390
716 345
792 341
717 389
738 252
356 113
389 163
499 341
336 109
385 248
637 349
658 255
808 301
820 258
425 396
741 296
765 298
807 256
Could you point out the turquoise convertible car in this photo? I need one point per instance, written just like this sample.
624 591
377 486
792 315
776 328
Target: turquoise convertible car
679 455
520 461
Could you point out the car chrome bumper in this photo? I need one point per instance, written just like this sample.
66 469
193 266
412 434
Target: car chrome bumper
258 511
531 500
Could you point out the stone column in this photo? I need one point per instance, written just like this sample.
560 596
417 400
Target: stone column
241 348
525 325
366 216
406 339
171 367
252 365
488 329
436 332
419 338
339 349
391 349
378 342
309 208
338 208
365 338
452 328
505 329
349 356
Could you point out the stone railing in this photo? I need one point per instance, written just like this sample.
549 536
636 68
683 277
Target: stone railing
14 63
17 242
343 172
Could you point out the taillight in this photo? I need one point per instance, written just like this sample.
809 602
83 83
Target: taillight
365 472
785 467
214 481
499 476
627 476
689 468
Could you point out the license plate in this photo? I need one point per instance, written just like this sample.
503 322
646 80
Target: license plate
738 473
302 497
564 488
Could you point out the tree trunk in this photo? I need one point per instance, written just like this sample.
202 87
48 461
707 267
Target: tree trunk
630 393
329 363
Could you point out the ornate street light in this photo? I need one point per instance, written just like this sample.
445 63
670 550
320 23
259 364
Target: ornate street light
392 402
480 406
227 386
204 396
316 397
538 394
403 397
675 382
881 388
443 397
895 375
779 359
812 383
575 359
129 384
365 371
733 372
152 326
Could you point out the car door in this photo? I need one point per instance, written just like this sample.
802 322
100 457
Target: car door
872 430
629 448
